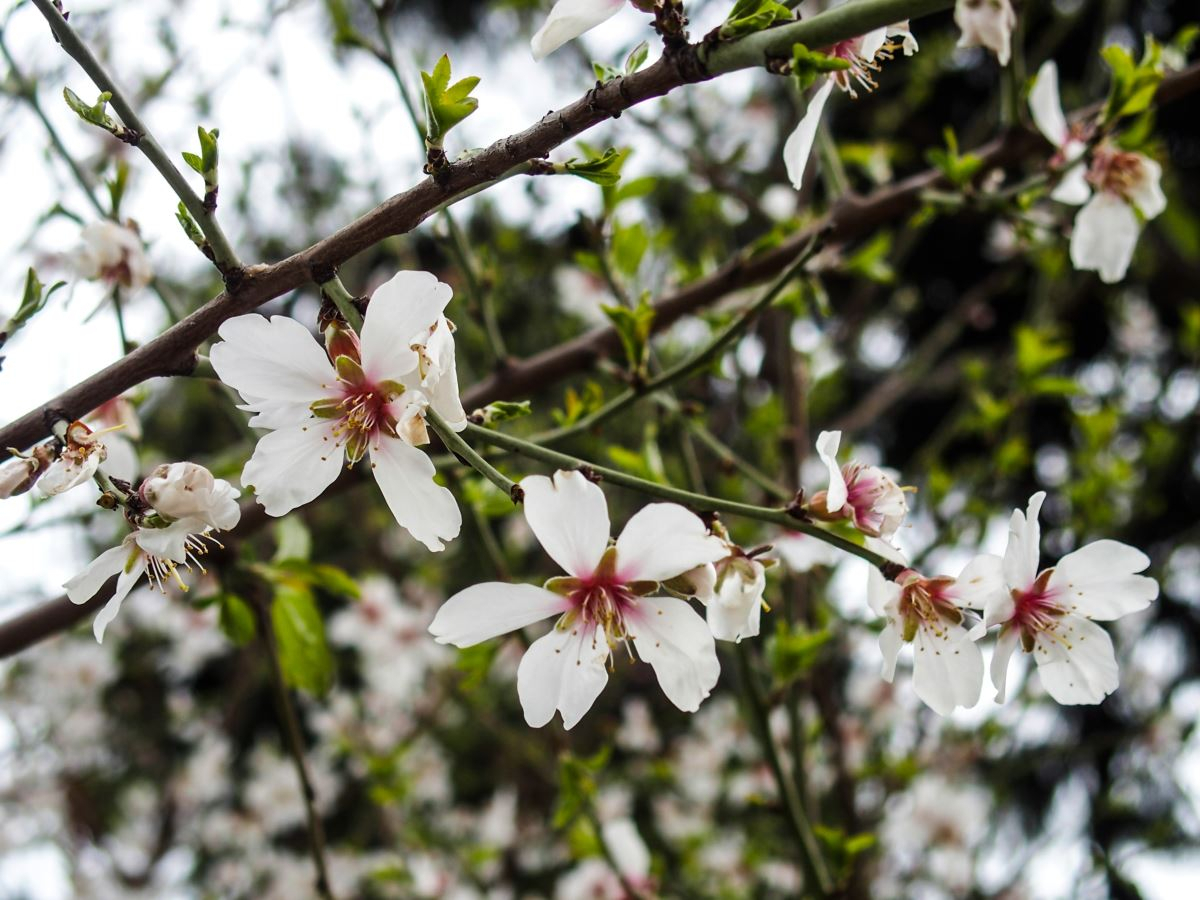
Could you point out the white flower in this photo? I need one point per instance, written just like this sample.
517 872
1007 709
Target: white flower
360 395
82 452
17 475
569 19
1050 613
1114 190
607 600
927 612
185 490
863 54
864 494
986 23
732 591
112 253
159 552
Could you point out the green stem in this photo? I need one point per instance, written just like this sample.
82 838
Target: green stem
815 866
117 308
224 256
700 502
341 298
455 444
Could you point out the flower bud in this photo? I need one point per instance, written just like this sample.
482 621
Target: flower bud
185 490
17 476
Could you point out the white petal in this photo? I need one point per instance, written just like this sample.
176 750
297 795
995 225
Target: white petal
489 610
569 516
798 149
1006 643
1045 105
803 553
1146 192
170 542
1073 187
276 360
1077 665
122 459
568 20
564 670
890 642
401 312
736 611
124 585
1106 232
827 448
442 382
293 466
1099 581
663 540
422 506
64 474
947 668
1024 545
627 847
872 42
979 584
882 594
83 587
676 642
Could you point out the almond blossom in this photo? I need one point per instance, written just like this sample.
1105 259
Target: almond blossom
863 54
986 23
1052 613
864 494
156 552
185 490
928 613
1118 190
113 253
609 597
83 451
359 395
569 19
731 590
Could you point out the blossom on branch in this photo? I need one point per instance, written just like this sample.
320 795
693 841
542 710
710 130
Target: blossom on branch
1118 189
864 494
569 19
986 23
610 597
17 475
731 589
112 253
185 490
928 613
357 396
82 452
1053 613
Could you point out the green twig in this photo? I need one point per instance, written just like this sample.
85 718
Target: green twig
456 445
342 299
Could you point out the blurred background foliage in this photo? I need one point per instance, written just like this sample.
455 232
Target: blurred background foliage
956 345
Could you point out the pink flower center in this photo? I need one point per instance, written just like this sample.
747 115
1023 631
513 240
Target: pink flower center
1116 171
1036 609
603 600
926 602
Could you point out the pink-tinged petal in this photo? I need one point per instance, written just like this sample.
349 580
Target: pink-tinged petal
827 448
1006 643
1076 663
1105 235
1146 193
124 585
676 642
981 583
1045 105
565 671
83 587
890 642
485 611
569 19
275 361
569 516
663 540
947 668
422 506
401 312
1024 545
1099 581
293 466
798 149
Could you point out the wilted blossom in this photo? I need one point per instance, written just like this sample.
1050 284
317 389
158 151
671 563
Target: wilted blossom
82 452
864 494
928 613
986 23
1118 189
17 475
569 19
112 253
608 599
358 395
1052 613
863 54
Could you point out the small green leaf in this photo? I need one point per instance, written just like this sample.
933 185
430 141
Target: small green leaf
33 300
809 65
116 187
304 654
446 105
633 327
502 411
958 168
97 114
190 228
604 170
236 619
637 57
1133 85
750 16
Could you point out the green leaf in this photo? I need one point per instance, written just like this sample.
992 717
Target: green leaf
116 187
205 164
809 65
1038 349
793 650
190 228
576 405
604 170
33 300
304 654
637 57
97 113
1133 85
633 327
292 540
502 411
604 72
750 16
236 619
871 260
958 168
446 105
577 785
629 246
328 578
